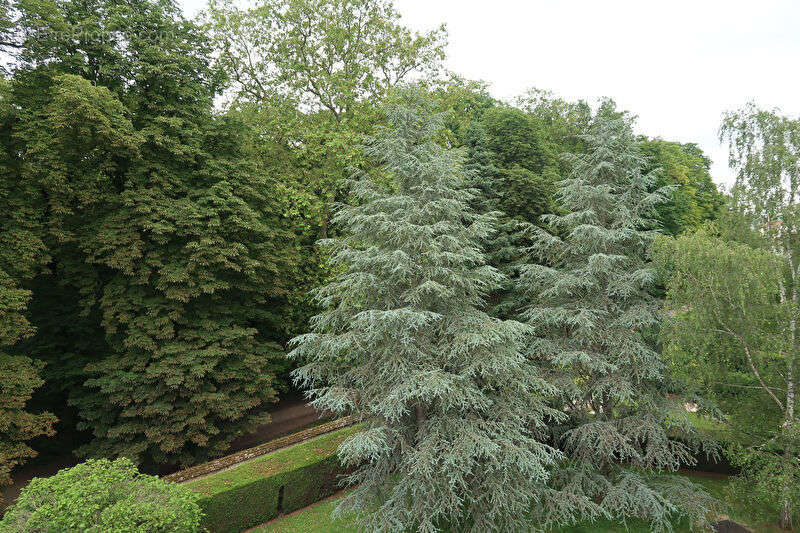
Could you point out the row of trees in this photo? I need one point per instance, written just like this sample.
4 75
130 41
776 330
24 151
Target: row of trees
489 424
157 250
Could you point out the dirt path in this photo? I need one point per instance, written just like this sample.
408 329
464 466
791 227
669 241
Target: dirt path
288 416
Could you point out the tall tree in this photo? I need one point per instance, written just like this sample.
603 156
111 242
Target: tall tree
309 76
22 254
331 55
402 342
765 153
594 319
156 220
695 199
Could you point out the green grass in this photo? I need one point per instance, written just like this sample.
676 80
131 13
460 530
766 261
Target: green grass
317 517
274 463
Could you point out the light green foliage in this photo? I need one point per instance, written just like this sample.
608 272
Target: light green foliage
765 153
695 199
402 341
724 307
728 332
103 496
593 318
332 55
566 121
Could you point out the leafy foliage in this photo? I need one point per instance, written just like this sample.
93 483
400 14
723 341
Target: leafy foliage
695 199
21 255
307 76
402 341
726 312
593 318
765 151
331 55
154 217
101 495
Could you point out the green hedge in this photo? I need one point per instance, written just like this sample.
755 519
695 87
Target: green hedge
262 489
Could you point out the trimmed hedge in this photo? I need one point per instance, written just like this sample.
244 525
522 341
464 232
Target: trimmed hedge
262 449
262 500
259 490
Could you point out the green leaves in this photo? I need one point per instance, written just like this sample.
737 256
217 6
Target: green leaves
695 199
166 245
101 495
322 55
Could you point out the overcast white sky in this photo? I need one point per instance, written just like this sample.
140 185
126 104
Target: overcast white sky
677 65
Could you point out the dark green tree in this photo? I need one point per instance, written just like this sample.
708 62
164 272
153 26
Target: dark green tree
155 219
593 318
19 377
22 254
447 398
695 199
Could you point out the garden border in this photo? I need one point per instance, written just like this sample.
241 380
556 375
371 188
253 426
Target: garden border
234 459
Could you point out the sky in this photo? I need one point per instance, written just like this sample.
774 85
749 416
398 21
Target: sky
677 65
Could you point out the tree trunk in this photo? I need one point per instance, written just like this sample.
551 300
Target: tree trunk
422 416
786 507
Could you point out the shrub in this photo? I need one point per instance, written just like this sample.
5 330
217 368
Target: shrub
103 496
263 499
260 490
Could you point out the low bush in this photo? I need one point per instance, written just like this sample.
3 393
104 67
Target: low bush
260 490
103 496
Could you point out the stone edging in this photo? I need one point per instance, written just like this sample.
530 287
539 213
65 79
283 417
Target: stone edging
262 449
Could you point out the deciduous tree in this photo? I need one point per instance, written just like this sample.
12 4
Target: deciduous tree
729 331
155 218
765 153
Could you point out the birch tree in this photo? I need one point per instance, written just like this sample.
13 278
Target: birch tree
725 311
764 149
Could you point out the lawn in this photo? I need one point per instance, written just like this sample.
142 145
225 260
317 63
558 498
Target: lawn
317 517
271 464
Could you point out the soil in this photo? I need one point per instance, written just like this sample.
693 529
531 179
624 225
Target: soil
727 526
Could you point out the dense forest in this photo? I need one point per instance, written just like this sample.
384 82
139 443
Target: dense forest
165 183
